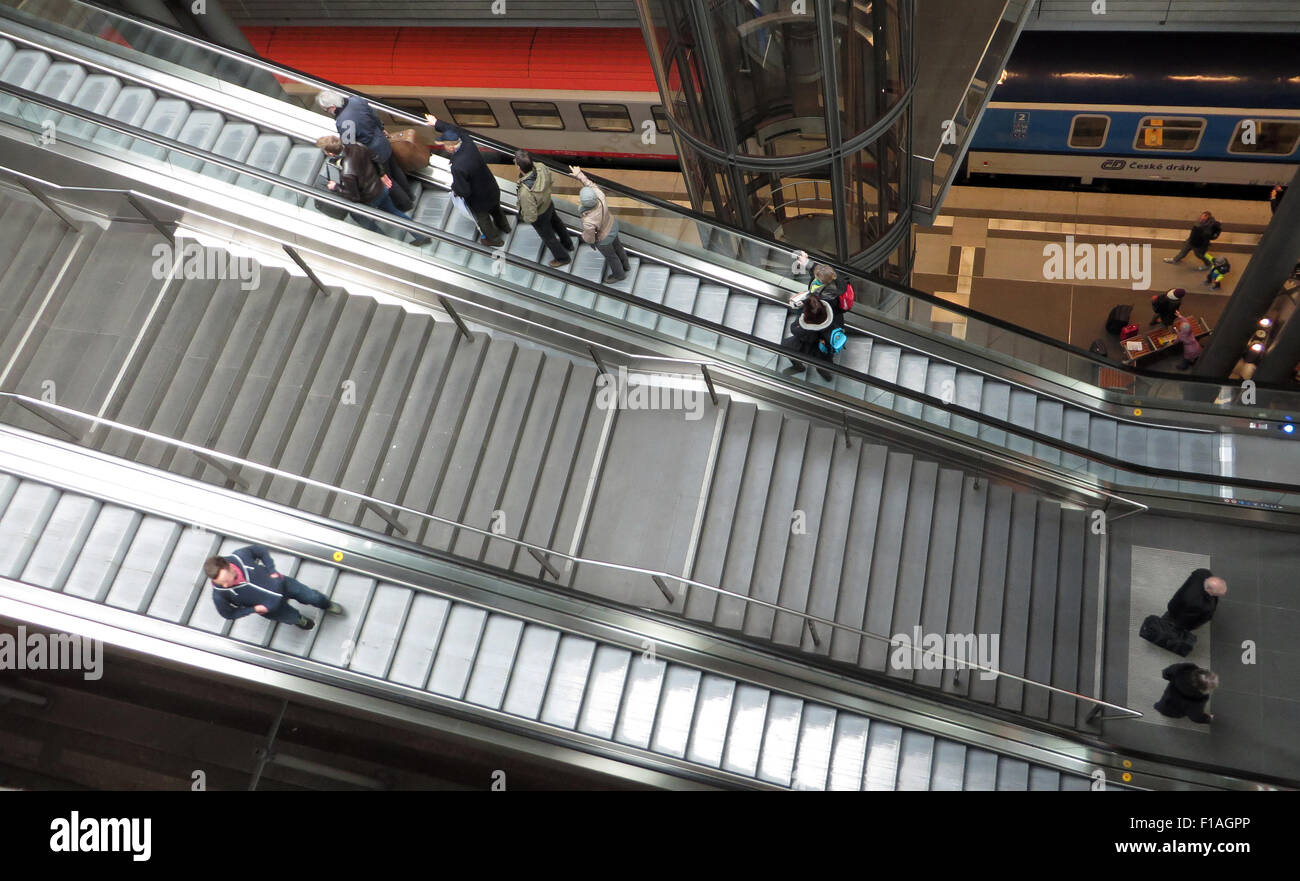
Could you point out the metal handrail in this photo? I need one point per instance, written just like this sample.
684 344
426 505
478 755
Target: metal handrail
657 575
282 70
336 199
859 407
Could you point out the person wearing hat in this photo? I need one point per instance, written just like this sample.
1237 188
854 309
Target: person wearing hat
473 182
1166 306
1191 346
599 228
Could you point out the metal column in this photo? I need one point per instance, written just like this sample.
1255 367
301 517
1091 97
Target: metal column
1269 268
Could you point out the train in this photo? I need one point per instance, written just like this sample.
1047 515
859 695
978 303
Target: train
574 93
1187 107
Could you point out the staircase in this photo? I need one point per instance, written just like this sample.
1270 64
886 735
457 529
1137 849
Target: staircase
106 553
753 310
508 437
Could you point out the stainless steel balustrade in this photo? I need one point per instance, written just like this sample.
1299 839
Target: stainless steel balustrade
542 554
1211 486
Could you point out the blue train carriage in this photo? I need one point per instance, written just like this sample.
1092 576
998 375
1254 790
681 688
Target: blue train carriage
1195 108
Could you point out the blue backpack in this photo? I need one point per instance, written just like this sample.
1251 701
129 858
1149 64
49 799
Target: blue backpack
837 340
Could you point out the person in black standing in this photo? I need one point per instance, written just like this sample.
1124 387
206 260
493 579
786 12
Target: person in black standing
473 182
1187 692
1195 602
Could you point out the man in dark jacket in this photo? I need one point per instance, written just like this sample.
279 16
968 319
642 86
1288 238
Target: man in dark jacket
246 581
1187 692
1166 306
360 181
473 181
1205 230
1195 602
357 124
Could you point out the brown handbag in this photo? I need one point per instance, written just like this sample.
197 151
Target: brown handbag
411 155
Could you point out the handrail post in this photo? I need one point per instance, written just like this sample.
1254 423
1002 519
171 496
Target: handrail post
663 588
148 215
302 264
48 203
595 356
847 441
708 381
51 419
232 474
390 519
460 324
546 564
812 631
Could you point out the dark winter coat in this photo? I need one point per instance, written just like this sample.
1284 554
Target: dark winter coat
357 123
805 337
1203 233
258 585
471 179
361 176
1165 308
1182 697
1192 606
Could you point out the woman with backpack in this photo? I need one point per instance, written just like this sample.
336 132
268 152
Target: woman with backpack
818 332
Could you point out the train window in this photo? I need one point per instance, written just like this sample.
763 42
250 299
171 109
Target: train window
606 117
1271 137
661 119
1161 133
537 114
472 113
1089 132
413 106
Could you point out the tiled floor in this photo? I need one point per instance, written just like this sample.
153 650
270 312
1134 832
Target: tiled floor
1252 645
987 251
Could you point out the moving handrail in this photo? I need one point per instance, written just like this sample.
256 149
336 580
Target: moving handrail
659 576
862 409
263 125
283 72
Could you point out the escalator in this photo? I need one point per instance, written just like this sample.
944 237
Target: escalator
500 422
678 298
105 541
